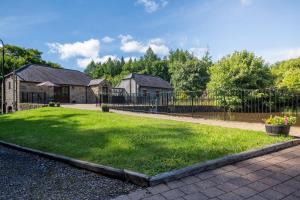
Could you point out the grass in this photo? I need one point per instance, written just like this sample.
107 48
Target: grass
145 145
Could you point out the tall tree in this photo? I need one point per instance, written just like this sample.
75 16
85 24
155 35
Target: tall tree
187 72
287 75
240 70
16 57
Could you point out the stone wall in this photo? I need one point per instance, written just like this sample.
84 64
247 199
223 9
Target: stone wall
28 106
9 94
127 84
78 94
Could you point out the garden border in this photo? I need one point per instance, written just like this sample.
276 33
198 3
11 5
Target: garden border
145 180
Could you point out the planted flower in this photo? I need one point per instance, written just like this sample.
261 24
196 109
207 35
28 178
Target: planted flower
279 125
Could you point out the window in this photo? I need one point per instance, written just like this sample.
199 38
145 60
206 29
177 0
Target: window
9 85
144 92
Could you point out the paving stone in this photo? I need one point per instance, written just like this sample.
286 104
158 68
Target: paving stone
155 197
205 184
195 196
270 181
206 175
232 175
243 171
230 196
219 179
255 167
256 197
258 186
239 181
293 183
263 173
212 192
189 189
292 172
291 197
281 177
139 194
297 193
173 194
245 192
190 179
175 184
227 187
272 194
275 168
284 189
158 189
252 177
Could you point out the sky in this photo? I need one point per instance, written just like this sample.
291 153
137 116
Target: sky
74 32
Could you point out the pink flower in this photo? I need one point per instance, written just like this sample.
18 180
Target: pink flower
286 120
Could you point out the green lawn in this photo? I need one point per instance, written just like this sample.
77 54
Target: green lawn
144 145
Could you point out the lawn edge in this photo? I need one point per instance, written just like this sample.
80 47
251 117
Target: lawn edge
145 180
220 162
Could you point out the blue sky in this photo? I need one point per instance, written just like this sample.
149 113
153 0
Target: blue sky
73 32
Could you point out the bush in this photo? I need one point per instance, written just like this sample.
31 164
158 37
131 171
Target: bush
277 120
51 104
57 104
105 108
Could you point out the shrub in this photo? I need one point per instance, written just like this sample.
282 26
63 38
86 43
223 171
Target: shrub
51 104
277 120
57 104
105 108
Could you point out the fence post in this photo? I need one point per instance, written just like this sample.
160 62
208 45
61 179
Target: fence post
192 105
270 107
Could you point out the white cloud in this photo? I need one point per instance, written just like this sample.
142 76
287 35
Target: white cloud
275 55
125 38
246 2
84 52
129 45
152 5
198 52
87 49
107 39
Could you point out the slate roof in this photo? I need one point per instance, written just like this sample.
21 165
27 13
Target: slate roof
96 81
41 73
149 81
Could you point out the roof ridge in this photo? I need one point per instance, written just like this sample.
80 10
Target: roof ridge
151 76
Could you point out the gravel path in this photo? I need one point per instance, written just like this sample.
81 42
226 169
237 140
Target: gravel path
28 176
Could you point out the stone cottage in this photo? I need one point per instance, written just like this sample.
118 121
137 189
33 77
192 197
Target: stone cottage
35 83
143 85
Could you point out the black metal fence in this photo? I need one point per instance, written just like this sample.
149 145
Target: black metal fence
212 104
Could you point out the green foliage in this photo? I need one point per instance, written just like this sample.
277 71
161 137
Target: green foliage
236 72
51 104
105 108
287 74
57 104
277 120
240 70
16 57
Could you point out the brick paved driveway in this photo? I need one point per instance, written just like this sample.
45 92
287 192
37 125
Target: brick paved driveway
270 177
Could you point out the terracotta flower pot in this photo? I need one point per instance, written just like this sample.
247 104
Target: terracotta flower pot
277 129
